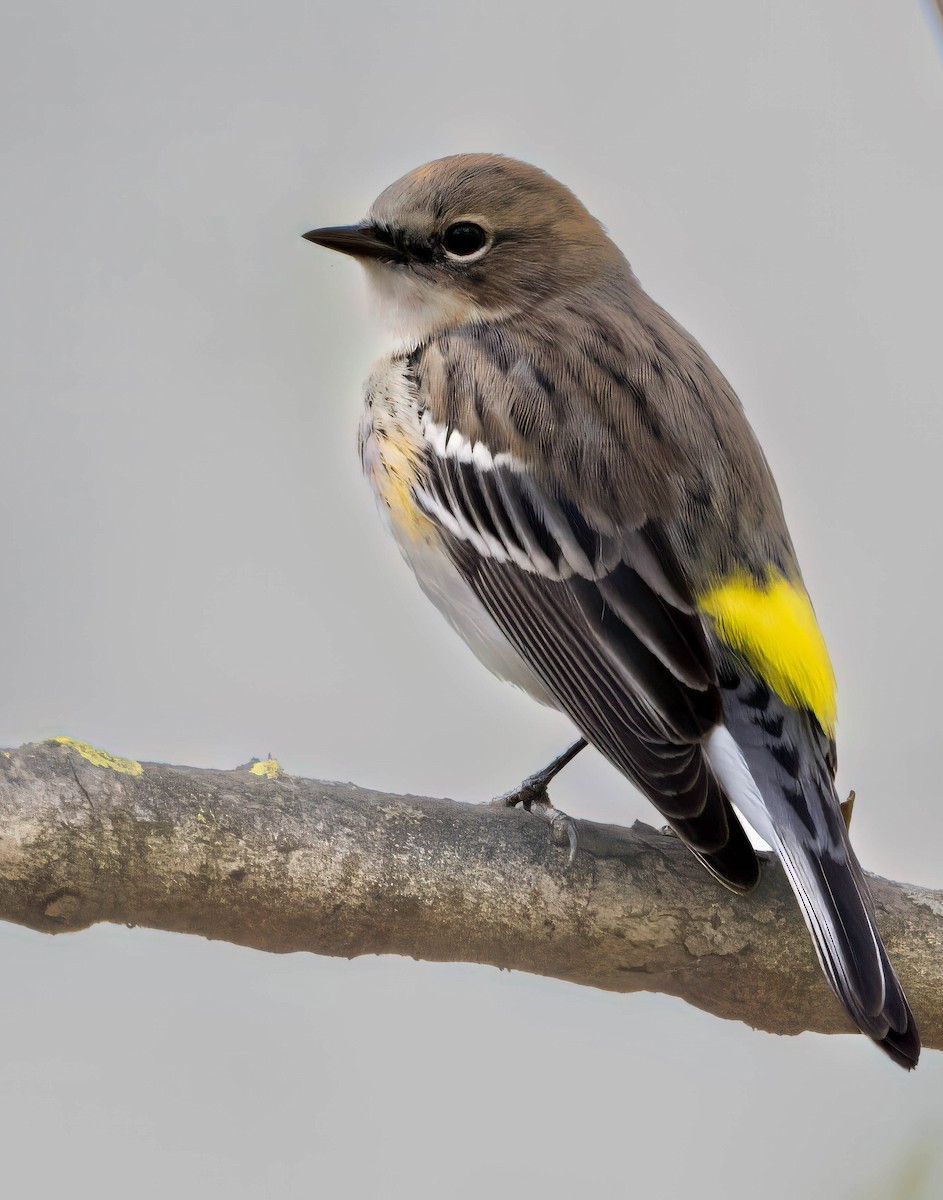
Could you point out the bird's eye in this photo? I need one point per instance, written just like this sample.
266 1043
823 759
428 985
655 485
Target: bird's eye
463 239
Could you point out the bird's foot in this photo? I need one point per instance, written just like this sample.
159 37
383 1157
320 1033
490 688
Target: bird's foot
533 796
563 829
532 791
847 808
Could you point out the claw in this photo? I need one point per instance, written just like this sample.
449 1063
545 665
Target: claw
573 837
532 795
561 827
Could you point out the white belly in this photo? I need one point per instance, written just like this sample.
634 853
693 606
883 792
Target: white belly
452 596
391 447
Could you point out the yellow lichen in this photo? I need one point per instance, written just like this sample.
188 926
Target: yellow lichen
269 768
101 758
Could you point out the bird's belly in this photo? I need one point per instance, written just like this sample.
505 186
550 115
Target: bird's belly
390 447
453 597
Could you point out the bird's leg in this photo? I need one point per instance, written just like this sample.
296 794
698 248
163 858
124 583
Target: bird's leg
534 788
847 807
532 794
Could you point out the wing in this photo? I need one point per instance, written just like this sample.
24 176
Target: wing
603 620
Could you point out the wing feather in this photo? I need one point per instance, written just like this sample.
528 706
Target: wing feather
601 617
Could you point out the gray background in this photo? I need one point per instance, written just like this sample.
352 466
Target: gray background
192 570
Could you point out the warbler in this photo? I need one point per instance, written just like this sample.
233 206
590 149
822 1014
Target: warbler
577 489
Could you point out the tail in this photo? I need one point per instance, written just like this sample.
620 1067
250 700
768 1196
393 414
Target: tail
797 813
838 909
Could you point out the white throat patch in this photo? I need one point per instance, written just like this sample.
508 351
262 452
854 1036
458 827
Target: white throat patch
412 309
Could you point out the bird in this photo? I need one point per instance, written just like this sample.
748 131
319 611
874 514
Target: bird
577 489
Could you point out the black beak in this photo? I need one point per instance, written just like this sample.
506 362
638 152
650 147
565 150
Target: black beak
362 241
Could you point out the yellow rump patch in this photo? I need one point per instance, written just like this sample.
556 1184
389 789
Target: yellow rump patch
773 628
101 758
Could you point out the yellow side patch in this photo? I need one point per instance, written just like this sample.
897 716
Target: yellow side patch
773 628
101 758
392 447
270 768
394 483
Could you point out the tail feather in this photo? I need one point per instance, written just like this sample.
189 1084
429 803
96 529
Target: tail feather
839 912
902 1040
801 819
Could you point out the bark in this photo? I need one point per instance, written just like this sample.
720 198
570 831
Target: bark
257 857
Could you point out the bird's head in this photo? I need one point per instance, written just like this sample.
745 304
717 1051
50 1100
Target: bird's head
473 237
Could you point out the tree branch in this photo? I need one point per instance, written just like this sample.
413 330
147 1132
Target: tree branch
285 864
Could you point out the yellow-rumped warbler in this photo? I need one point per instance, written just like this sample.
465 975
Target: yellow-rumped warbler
577 489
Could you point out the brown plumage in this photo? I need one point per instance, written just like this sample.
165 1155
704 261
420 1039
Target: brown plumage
577 489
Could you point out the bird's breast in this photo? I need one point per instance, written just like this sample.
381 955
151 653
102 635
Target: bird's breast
391 448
